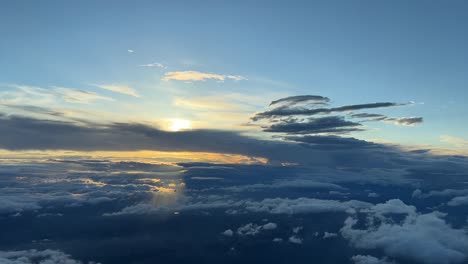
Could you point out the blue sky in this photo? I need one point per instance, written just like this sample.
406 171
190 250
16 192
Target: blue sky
351 52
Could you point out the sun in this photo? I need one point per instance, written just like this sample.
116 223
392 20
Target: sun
179 124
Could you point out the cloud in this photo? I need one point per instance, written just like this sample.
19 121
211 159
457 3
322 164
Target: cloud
402 121
458 201
228 232
130 51
367 259
331 141
458 142
423 238
329 124
118 89
154 65
405 121
70 95
207 104
288 111
32 256
79 96
327 235
303 205
199 76
295 239
293 100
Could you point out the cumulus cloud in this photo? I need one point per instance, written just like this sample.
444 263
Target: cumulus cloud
199 76
423 238
33 256
122 89
228 232
295 239
367 259
327 235
252 229
303 205
458 201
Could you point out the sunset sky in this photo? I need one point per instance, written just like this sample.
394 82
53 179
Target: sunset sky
213 65
146 131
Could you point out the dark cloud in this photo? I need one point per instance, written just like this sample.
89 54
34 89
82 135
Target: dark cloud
367 115
331 141
329 124
314 99
288 111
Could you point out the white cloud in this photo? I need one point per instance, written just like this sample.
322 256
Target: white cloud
458 201
228 232
304 205
329 235
70 95
458 142
118 89
270 226
199 76
439 193
154 65
423 238
295 240
130 51
33 256
251 229
367 259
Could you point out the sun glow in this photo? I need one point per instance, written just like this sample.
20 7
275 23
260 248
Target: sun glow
179 124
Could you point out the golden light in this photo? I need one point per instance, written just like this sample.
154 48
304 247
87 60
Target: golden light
179 124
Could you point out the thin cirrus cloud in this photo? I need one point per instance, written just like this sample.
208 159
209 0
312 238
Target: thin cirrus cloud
122 89
79 96
154 65
199 76
458 142
67 94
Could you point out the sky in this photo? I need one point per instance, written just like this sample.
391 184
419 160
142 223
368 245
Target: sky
121 58
233 132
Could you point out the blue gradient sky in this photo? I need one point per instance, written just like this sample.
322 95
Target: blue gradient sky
352 52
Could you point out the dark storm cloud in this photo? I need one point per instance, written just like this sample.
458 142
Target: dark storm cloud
23 133
288 111
329 124
314 99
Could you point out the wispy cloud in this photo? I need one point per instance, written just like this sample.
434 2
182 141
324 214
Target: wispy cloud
79 96
199 76
154 65
130 51
458 142
118 89
70 95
